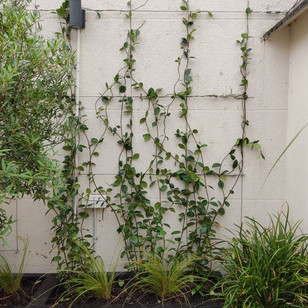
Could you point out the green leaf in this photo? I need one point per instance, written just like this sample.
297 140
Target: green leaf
188 78
187 71
157 206
124 189
67 148
134 239
163 187
135 156
80 148
146 137
221 184
182 95
156 110
249 11
56 259
122 89
105 99
203 230
83 215
221 211
162 232
190 214
143 184
121 283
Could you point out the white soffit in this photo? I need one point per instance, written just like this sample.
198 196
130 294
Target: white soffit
297 10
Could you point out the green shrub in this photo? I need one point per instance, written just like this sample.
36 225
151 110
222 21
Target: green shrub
35 79
11 186
266 267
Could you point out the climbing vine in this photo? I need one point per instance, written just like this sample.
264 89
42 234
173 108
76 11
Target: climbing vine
70 238
181 176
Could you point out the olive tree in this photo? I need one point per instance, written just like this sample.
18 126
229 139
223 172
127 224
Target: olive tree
36 77
35 80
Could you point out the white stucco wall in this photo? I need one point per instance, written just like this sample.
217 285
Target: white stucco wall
297 176
215 71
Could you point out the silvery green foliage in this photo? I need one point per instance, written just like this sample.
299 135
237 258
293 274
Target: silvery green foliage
35 79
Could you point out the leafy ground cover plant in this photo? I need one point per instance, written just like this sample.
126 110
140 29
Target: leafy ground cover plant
266 267
9 282
167 280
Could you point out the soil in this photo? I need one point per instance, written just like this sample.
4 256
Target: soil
148 300
24 296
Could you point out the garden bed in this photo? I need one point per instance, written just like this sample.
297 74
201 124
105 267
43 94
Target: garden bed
43 294
166 305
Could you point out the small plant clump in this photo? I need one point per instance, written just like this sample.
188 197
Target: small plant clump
167 280
266 267
10 282
92 279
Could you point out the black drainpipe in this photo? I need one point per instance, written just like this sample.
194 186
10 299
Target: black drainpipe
76 15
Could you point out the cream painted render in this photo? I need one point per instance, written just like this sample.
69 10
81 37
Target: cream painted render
216 70
296 157
297 162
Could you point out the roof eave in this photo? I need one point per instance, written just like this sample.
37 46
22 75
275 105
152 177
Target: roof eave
291 16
